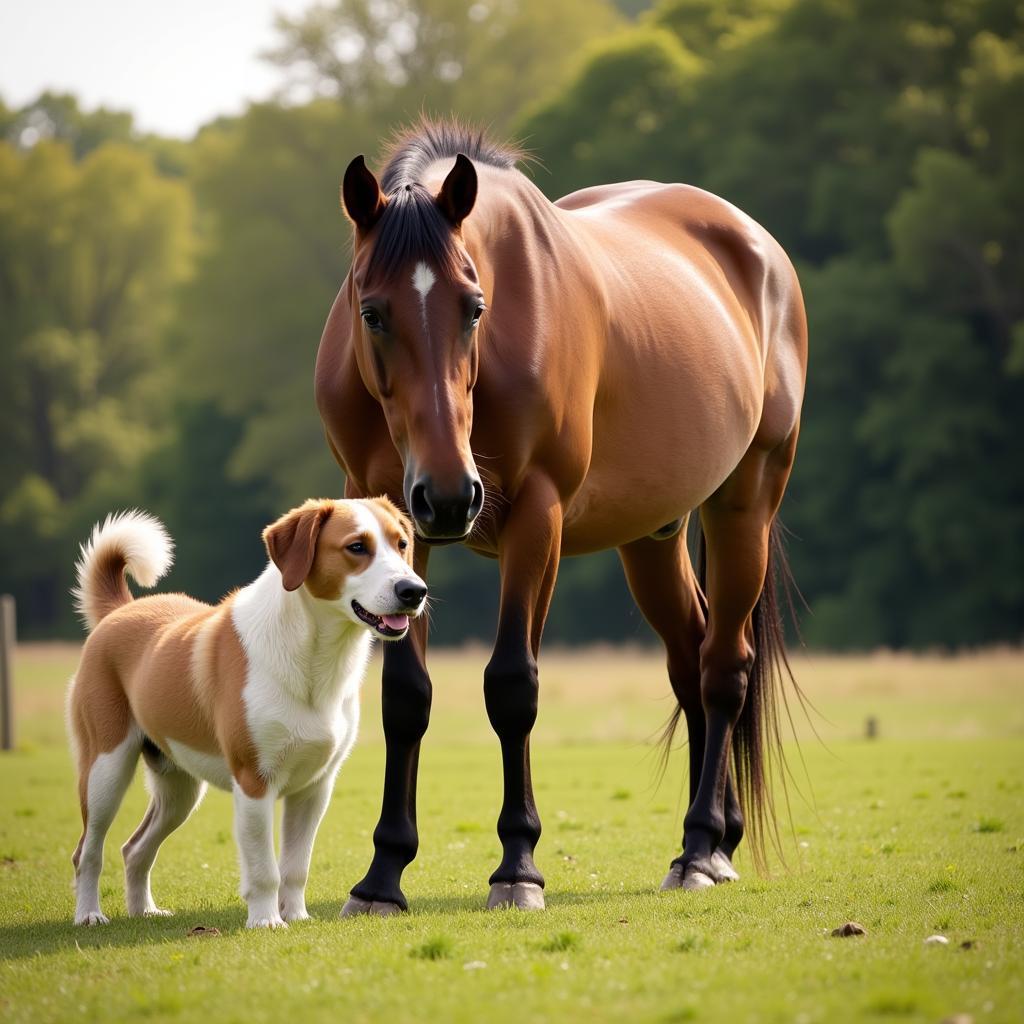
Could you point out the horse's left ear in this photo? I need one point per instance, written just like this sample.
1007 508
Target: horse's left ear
458 193
361 195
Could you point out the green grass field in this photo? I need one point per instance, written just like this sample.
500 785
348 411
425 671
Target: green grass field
918 832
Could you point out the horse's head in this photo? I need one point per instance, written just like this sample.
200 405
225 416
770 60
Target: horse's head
416 303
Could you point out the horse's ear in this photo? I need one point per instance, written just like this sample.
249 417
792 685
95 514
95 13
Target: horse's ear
458 193
361 195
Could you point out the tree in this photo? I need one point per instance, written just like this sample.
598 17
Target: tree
882 144
274 254
485 60
90 254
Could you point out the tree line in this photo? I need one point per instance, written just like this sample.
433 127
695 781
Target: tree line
161 300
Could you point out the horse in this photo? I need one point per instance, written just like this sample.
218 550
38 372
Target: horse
538 380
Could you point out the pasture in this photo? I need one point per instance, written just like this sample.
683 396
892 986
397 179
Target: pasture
917 832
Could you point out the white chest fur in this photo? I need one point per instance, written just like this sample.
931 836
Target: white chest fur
306 665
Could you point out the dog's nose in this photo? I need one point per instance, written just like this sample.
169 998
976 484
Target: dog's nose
410 592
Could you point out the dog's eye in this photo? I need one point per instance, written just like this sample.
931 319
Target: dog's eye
358 548
403 544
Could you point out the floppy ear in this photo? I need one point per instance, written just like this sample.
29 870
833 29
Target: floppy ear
291 542
458 193
361 195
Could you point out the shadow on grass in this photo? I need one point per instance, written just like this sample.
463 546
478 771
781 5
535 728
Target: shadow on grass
44 937
18 942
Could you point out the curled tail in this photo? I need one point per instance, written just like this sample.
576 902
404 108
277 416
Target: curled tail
132 542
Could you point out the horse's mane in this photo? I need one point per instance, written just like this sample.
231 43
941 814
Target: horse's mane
413 149
412 228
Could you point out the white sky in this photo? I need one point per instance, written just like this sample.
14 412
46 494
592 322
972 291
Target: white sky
174 63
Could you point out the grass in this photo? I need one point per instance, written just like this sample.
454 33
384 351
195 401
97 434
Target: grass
915 833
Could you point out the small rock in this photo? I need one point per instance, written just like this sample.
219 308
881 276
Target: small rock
474 965
968 944
936 940
202 932
848 929
958 1018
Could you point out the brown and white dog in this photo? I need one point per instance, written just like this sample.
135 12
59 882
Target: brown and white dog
258 695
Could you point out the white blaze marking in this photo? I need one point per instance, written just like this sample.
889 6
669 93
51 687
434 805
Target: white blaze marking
423 280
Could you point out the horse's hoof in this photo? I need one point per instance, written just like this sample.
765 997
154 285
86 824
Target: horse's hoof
689 880
522 895
694 880
722 868
354 907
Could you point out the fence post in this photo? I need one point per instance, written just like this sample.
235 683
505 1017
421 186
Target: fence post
7 638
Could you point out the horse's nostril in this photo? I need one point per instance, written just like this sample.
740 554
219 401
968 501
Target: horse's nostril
478 501
419 504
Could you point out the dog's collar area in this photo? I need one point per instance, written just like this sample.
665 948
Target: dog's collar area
378 623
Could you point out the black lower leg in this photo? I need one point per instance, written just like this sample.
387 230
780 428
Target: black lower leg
406 694
705 822
733 820
510 693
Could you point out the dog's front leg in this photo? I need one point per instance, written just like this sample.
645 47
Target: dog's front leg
303 812
254 833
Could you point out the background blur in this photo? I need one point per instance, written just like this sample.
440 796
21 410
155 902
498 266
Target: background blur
169 252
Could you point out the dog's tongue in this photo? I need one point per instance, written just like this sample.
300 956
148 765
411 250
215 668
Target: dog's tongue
396 622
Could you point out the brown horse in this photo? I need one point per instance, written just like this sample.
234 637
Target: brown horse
603 365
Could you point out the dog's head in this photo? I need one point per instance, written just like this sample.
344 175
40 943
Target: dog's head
355 555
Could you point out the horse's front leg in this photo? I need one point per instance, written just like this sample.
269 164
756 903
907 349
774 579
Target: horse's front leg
405 704
528 552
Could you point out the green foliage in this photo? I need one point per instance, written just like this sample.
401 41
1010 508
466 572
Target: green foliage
484 60
881 142
272 257
90 253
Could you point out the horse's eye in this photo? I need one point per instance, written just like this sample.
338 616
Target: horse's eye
477 313
402 545
358 548
372 319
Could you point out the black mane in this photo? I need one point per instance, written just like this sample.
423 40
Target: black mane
412 150
412 227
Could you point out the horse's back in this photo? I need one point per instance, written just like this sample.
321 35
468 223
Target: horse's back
706 343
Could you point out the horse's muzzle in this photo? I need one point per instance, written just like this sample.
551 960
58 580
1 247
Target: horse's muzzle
443 514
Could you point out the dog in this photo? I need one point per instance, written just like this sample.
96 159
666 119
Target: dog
258 695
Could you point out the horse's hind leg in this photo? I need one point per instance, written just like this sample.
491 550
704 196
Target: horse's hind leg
663 585
737 523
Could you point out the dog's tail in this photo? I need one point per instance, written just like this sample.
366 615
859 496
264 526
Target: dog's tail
132 542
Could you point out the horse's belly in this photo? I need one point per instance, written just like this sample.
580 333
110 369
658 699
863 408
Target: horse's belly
662 449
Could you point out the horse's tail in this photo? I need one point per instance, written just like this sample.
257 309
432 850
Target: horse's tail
757 752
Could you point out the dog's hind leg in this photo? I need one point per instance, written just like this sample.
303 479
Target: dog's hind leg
174 795
102 785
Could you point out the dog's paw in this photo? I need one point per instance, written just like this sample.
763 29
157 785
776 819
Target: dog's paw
298 913
93 918
157 912
274 921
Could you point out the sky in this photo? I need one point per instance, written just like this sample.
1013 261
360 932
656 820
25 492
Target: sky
175 64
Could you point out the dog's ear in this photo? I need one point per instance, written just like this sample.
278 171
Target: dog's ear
291 541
